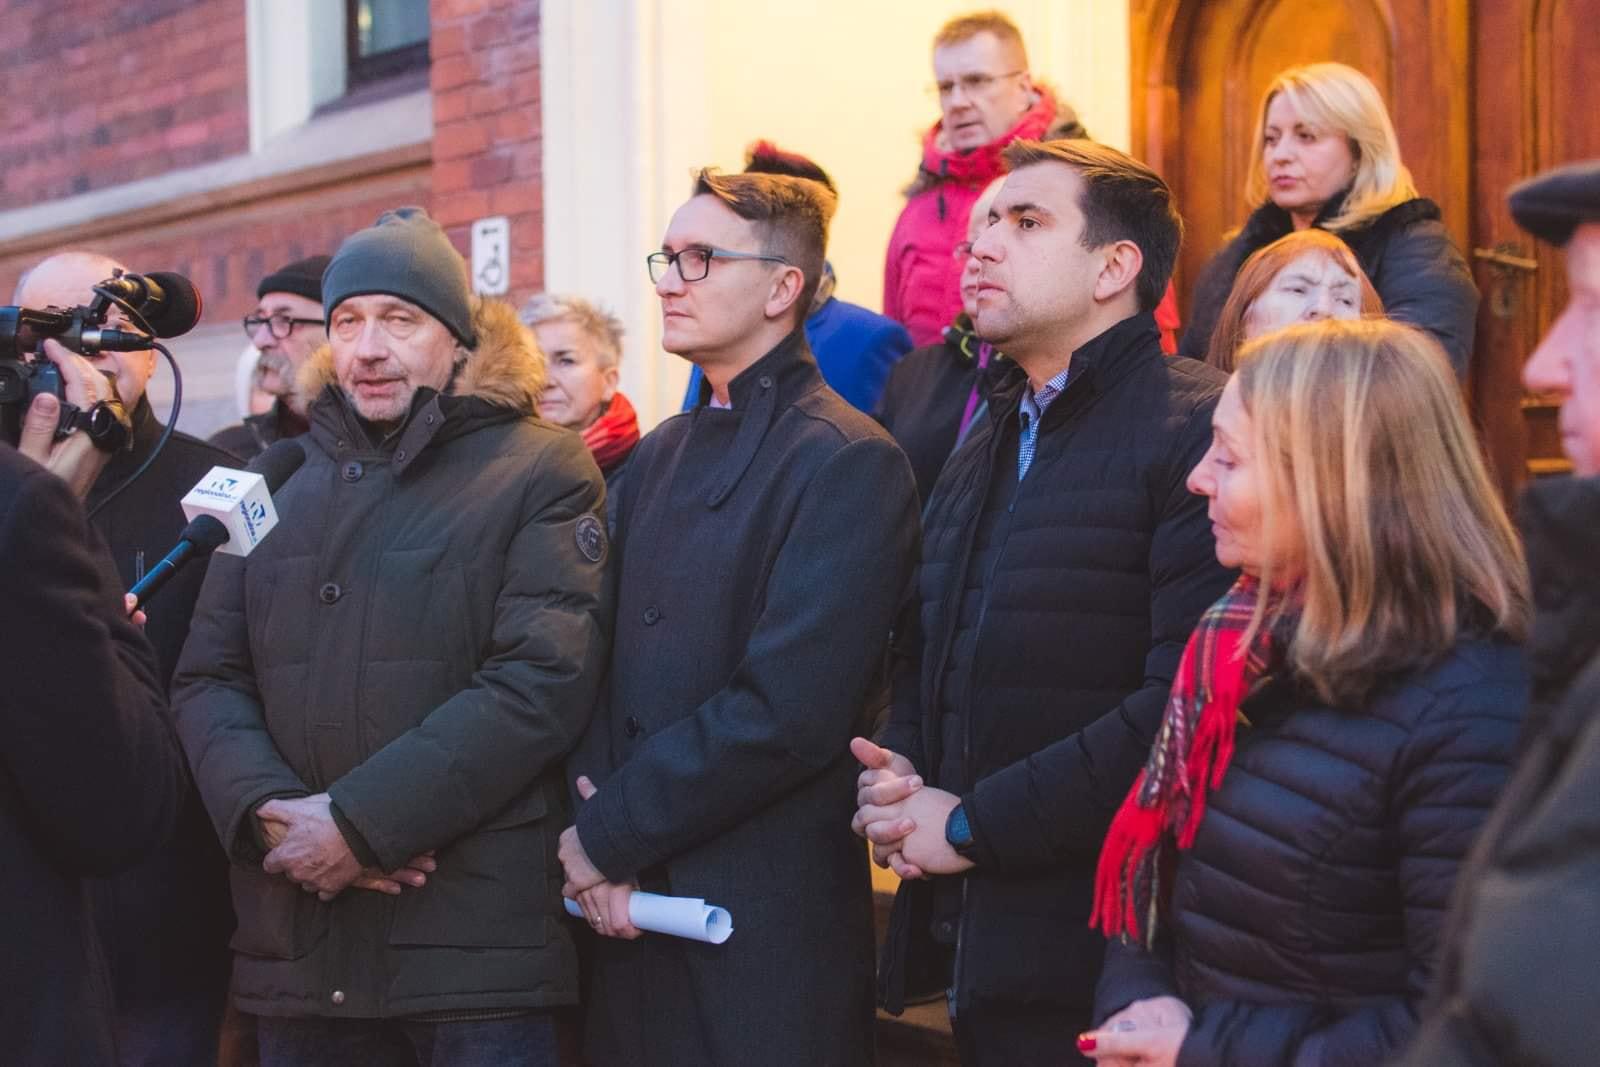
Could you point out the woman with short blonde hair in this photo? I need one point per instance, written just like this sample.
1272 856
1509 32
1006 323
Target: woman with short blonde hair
1340 723
1327 157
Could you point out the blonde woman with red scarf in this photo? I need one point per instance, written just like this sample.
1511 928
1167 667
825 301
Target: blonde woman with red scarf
582 346
1274 885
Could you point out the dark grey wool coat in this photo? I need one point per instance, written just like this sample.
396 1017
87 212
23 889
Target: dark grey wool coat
761 553
422 637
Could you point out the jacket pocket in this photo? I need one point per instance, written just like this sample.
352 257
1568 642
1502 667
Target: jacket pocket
491 889
277 919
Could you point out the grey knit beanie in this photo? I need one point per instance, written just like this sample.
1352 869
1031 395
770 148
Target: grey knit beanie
405 254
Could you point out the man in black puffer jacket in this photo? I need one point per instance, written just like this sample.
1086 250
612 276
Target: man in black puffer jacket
1064 566
1516 982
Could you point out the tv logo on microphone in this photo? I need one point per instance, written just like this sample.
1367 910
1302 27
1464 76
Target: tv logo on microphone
237 499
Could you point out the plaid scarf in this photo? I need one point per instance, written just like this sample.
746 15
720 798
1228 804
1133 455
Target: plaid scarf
1190 756
612 436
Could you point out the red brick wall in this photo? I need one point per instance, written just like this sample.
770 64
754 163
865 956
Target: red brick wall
486 137
99 92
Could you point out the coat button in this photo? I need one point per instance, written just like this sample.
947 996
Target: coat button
428 418
400 456
765 381
947 929
330 592
352 471
338 996
651 615
631 727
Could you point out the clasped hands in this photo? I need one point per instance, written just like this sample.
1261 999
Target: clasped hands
901 817
605 903
307 848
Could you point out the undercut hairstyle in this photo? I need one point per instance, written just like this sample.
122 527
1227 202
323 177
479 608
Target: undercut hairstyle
1122 200
965 27
1365 447
1255 277
764 157
602 328
791 217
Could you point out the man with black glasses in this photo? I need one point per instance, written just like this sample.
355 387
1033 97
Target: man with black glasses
286 327
763 539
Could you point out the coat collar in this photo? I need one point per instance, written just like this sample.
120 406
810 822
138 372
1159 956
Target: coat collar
759 393
500 379
981 165
1095 366
1560 521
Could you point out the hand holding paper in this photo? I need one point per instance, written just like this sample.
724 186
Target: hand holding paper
688 917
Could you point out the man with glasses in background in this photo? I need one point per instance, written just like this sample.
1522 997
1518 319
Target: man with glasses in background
164 922
987 99
286 327
763 539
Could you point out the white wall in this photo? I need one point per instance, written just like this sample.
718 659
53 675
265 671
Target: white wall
638 93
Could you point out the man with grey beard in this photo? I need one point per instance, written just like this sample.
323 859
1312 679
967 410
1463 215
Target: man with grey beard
286 327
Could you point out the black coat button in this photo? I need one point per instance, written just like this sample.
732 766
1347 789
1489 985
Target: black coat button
400 456
330 592
947 929
765 381
651 615
631 727
352 471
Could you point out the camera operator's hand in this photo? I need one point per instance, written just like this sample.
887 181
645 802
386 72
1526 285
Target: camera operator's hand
74 459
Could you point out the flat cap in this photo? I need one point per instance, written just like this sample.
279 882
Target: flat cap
1553 204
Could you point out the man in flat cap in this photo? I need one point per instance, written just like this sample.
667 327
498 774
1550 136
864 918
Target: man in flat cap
376 702
1516 981
286 327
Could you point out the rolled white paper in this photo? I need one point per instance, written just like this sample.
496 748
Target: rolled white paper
688 917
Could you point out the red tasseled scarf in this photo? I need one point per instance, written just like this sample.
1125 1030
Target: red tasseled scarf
1190 756
612 436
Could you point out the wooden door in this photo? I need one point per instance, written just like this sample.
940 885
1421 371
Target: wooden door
1200 66
1533 112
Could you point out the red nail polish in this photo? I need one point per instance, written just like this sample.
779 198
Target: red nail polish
1086 1042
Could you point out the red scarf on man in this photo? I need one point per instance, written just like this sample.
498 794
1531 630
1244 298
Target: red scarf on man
612 436
1190 756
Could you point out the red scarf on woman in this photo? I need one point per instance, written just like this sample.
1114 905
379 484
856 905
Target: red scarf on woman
1189 757
612 436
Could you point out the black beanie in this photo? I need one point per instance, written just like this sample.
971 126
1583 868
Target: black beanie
405 254
303 277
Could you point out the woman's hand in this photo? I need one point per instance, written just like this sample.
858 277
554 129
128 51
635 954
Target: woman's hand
1147 1033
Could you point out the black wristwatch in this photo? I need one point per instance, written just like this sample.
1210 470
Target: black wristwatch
957 833
104 429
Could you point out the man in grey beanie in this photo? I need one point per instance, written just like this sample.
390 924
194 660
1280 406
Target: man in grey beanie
286 327
378 699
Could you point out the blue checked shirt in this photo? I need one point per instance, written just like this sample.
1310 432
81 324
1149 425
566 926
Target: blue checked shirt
1032 410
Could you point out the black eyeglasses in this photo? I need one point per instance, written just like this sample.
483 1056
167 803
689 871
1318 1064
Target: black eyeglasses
280 325
695 263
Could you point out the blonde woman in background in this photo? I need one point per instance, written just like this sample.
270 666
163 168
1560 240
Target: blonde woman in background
1328 158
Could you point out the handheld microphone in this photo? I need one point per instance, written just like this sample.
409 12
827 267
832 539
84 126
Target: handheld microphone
169 302
229 511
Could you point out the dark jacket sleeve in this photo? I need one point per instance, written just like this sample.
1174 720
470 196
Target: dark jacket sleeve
529 700
789 710
1424 281
236 764
1444 781
1132 972
1057 803
87 741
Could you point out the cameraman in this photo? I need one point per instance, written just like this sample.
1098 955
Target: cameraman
165 924
90 776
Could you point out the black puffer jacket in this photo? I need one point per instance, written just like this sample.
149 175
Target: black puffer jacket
1305 921
1516 983
1050 644
1406 252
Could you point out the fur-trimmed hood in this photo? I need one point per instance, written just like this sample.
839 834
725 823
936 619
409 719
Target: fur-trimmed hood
507 367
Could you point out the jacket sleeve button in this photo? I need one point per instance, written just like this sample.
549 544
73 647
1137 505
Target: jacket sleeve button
652 615
400 456
330 593
338 996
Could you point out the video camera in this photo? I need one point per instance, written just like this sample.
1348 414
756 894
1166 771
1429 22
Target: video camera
167 304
